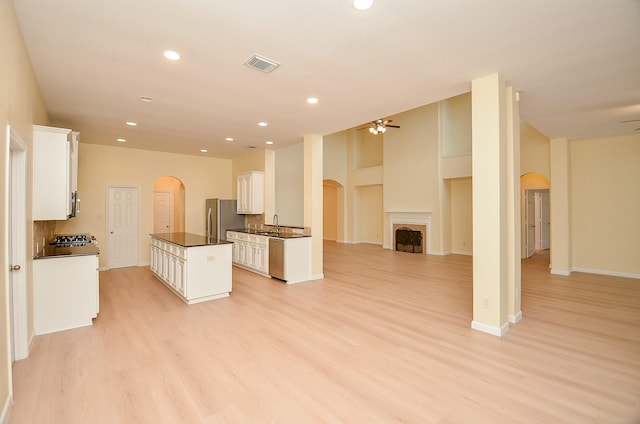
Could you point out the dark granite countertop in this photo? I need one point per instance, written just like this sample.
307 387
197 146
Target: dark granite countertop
282 235
188 239
52 251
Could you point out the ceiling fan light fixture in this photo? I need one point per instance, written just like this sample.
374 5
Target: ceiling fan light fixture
362 4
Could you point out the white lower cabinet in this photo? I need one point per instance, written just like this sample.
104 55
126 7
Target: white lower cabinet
250 251
66 292
195 274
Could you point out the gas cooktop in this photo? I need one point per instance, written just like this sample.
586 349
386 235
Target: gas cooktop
71 240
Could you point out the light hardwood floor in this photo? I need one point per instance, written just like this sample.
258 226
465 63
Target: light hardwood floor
385 337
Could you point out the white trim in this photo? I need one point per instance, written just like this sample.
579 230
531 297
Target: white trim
18 234
317 277
5 411
604 272
560 272
495 331
461 252
514 319
415 218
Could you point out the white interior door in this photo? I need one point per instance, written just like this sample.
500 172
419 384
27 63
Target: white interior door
545 220
530 226
162 207
17 246
122 234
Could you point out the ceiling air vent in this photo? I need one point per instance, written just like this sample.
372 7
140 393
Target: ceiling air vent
261 63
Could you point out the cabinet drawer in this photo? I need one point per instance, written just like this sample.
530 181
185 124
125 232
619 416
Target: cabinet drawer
262 240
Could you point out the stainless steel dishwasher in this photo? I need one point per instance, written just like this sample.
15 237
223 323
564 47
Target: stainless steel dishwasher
276 258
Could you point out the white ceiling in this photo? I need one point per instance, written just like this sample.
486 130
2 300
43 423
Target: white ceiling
575 62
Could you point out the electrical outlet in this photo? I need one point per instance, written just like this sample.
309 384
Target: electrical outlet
485 302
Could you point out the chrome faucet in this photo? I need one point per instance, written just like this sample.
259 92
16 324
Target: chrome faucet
275 222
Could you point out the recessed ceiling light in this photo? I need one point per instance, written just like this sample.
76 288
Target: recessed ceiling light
312 100
203 150
262 124
146 99
269 142
229 139
120 140
131 123
362 4
171 55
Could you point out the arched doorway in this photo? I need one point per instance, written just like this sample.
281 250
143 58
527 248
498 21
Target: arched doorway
535 219
333 211
168 205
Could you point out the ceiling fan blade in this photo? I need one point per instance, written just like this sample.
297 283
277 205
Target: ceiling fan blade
392 126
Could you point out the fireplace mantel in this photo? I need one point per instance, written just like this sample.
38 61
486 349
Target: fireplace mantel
417 218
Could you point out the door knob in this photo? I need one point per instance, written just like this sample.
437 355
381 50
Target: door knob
110 232
14 267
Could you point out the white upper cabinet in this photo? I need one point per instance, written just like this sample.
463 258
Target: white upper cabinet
53 169
250 187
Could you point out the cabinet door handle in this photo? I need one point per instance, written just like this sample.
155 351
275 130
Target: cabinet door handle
14 267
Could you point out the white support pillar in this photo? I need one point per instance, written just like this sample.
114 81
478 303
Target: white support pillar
313 200
490 211
560 207
514 268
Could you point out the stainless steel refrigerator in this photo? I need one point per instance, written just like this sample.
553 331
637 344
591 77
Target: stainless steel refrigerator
221 215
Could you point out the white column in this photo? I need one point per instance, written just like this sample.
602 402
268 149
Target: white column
490 211
313 200
513 207
559 204
269 185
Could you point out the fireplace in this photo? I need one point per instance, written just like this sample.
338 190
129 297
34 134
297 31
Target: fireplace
408 240
416 223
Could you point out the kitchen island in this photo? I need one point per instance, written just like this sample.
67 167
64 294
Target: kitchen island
194 267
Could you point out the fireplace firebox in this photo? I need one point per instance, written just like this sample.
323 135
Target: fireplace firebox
408 240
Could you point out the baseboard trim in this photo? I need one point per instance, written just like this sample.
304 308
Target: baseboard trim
514 319
495 331
610 273
554 271
461 252
317 277
5 411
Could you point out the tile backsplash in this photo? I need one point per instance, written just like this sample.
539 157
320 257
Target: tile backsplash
43 232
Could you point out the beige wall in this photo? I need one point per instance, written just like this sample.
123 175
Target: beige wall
369 219
534 151
102 166
335 157
411 179
461 216
334 163
455 122
289 186
605 205
176 188
21 106
330 212
368 149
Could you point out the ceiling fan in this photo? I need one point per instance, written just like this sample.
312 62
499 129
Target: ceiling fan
631 120
379 126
